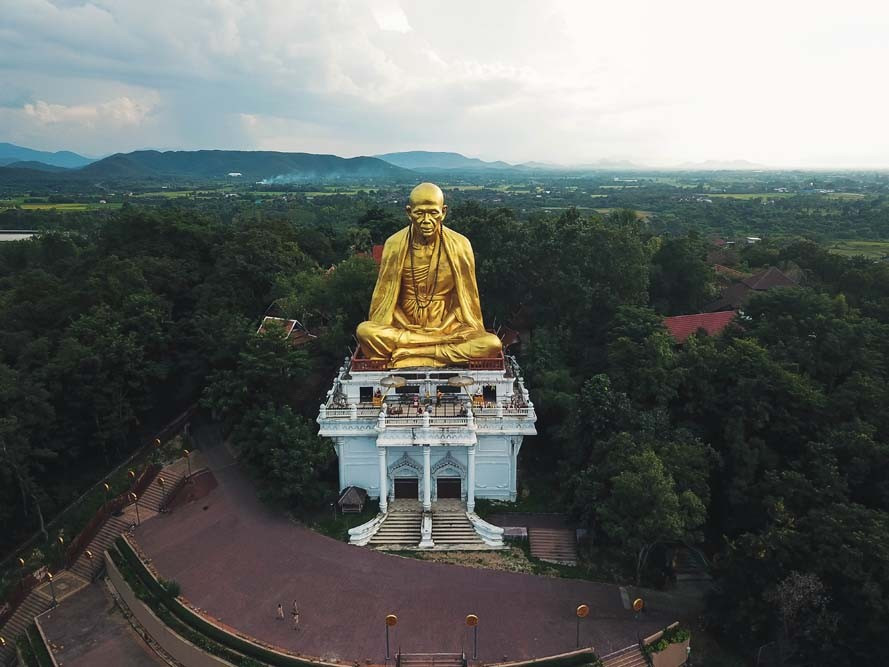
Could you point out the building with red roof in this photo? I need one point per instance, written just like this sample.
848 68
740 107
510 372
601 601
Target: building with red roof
683 326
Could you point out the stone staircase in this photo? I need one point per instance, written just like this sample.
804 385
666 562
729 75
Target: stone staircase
451 528
430 660
689 566
34 605
627 657
85 569
400 530
555 545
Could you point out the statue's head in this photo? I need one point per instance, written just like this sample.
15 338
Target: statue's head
426 210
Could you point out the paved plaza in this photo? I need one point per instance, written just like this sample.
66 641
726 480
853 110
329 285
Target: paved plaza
237 560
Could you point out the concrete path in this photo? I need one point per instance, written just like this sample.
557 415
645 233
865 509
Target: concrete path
237 561
90 630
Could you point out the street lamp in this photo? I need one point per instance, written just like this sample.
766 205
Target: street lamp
135 499
472 622
188 460
52 589
22 572
391 622
89 557
132 475
688 655
582 611
107 487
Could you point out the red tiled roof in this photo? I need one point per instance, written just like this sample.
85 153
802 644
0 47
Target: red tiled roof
768 279
730 272
683 326
377 253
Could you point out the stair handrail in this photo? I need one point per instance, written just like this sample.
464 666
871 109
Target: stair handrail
491 535
95 525
360 535
170 493
603 658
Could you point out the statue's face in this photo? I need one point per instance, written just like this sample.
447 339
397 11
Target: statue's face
426 218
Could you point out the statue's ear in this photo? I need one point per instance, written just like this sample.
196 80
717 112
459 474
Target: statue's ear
444 211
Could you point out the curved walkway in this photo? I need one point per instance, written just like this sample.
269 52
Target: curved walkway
237 561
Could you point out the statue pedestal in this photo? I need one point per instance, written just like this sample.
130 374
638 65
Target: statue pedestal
468 438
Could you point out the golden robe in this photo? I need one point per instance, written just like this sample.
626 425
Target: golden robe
456 291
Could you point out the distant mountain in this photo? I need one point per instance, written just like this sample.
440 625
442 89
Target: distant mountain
437 161
33 164
720 165
599 165
250 165
10 153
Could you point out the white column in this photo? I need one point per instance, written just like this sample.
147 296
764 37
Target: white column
427 478
384 491
470 480
338 447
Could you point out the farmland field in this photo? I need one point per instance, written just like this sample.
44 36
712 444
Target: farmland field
750 195
868 249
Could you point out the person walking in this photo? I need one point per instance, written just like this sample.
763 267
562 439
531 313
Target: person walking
280 612
295 615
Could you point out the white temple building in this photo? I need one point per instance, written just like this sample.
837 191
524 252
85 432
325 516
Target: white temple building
443 438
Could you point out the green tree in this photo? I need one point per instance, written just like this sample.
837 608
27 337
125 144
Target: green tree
644 508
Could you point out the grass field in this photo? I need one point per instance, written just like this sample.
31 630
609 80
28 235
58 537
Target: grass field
58 207
168 194
844 195
749 195
868 249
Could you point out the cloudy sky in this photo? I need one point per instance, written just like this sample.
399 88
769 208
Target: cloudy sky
778 82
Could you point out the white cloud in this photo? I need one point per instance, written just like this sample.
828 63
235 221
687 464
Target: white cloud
122 111
787 83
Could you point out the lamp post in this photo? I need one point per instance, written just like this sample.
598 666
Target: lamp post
22 572
188 461
391 622
52 589
107 487
688 655
132 475
60 541
89 557
2 642
582 611
472 622
135 500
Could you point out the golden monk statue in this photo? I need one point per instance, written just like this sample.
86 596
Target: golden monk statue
425 308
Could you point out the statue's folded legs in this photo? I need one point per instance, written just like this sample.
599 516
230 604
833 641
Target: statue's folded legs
405 348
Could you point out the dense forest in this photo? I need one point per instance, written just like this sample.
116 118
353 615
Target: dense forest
767 446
